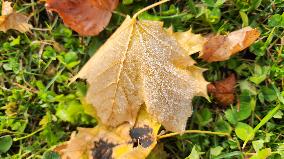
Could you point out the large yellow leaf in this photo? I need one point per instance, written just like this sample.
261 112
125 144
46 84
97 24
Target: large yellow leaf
12 20
143 63
123 142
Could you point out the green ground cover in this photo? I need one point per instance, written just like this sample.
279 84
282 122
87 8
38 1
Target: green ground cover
39 110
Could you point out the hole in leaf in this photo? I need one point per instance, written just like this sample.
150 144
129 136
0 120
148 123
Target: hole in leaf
141 136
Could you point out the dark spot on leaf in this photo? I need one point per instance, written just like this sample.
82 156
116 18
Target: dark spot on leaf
102 149
142 136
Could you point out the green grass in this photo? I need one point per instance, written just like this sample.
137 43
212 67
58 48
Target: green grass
38 109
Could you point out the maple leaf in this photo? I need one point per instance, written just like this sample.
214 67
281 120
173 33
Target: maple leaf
142 63
224 90
12 20
87 17
220 47
125 141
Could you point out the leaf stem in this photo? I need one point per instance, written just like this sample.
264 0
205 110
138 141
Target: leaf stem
262 122
149 7
29 135
191 132
270 114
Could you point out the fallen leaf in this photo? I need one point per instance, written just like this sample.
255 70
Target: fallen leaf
192 43
123 142
221 47
12 20
224 90
141 63
87 17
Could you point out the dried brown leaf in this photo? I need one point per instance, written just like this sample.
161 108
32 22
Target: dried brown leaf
12 20
141 63
220 47
223 90
123 142
87 17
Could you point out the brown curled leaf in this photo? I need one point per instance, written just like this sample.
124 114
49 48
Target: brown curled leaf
87 17
9 19
223 90
221 47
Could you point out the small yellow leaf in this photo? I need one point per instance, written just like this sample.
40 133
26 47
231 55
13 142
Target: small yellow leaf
12 20
123 142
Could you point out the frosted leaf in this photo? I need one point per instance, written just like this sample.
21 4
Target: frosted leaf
140 63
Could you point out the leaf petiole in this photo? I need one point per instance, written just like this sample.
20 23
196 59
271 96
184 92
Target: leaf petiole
29 135
192 132
149 7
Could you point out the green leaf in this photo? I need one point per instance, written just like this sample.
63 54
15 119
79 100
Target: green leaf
49 53
257 145
127 2
51 155
243 130
70 57
171 11
71 110
16 41
280 150
260 74
222 126
232 116
216 151
245 106
245 19
258 48
213 16
219 3
263 154
276 20
262 122
209 3
278 115
268 93
258 79
147 16
204 116
5 143
194 154
246 85
243 5
255 4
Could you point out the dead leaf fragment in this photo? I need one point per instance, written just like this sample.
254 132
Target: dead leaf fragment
87 17
123 142
142 63
224 90
12 20
221 47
